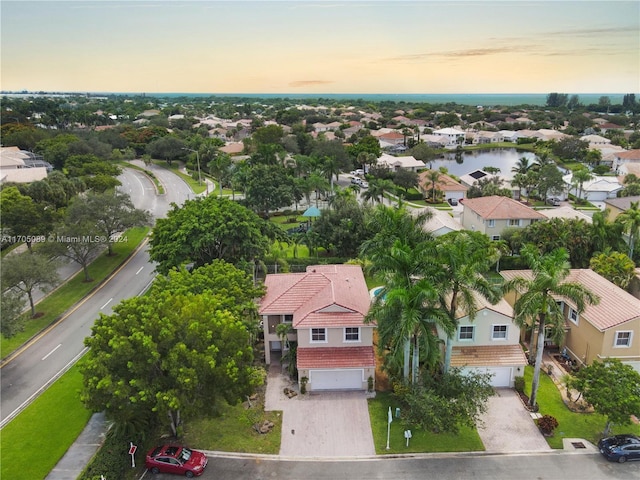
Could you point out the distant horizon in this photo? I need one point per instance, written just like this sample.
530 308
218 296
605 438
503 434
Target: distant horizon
506 99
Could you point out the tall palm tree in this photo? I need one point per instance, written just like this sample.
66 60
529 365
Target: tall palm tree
406 309
579 178
460 261
538 299
433 176
630 219
523 165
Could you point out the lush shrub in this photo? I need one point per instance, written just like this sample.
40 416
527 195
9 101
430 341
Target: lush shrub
547 424
111 460
519 384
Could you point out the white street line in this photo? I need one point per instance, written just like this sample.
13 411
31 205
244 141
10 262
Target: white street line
139 270
47 355
108 302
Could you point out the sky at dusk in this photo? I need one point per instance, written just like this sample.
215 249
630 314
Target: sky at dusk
321 46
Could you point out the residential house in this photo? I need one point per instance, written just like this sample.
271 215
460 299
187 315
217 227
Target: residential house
326 307
595 140
406 162
625 157
610 329
450 188
492 215
470 179
485 137
21 166
598 189
490 343
440 223
616 206
453 135
565 212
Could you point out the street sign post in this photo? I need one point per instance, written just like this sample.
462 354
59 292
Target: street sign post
132 452
407 435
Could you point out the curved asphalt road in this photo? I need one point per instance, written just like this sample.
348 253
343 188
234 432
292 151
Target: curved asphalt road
33 368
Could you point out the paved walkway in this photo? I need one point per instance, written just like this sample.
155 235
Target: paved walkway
83 449
327 424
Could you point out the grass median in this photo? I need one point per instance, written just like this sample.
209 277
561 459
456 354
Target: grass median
68 294
36 439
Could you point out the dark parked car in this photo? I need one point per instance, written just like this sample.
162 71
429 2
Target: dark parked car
620 448
453 202
176 459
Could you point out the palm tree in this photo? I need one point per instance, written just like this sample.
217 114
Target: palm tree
523 165
630 219
538 299
433 176
406 310
460 261
580 176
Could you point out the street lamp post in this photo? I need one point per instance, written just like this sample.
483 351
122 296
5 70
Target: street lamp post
198 161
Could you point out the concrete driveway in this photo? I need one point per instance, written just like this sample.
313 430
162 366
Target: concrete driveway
508 426
327 424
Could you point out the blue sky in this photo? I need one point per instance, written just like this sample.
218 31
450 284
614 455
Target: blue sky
321 46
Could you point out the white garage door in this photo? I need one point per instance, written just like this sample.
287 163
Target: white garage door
501 375
336 379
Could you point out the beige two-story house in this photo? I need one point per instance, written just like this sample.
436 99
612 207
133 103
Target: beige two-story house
489 343
492 215
326 307
610 329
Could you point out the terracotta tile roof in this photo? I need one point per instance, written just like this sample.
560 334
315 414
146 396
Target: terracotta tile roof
336 293
488 356
630 154
616 305
500 208
336 357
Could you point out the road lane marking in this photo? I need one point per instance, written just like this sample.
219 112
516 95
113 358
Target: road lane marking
28 401
47 355
108 302
139 270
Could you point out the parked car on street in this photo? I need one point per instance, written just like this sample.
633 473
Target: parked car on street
359 172
176 459
453 202
553 201
356 181
620 448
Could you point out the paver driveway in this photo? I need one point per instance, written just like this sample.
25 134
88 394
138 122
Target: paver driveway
508 426
328 424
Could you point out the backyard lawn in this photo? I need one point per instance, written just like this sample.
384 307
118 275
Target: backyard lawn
570 424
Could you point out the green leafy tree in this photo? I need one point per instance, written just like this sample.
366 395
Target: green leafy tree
570 148
405 179
25 273
433 176
167 356
616 267
206 229
341 229
167 148
268 188
23 217
445 402
579 178
11 307
613 388
538 295
548 180
112 213
79 241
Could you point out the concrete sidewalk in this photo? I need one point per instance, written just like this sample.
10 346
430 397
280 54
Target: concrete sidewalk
81 451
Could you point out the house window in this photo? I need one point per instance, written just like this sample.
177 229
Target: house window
499 332
495 238
465 332
514 222
491 223
623 339
352 334
288 319
573 316
318 335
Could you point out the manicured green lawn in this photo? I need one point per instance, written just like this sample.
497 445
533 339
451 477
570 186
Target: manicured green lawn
36 439
233 432
73 291
175 168
467 439
570 425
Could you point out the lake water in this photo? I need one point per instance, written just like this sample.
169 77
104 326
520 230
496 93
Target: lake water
503 158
